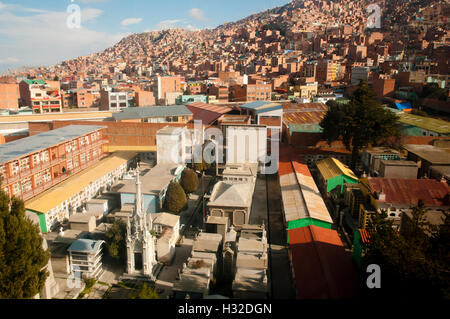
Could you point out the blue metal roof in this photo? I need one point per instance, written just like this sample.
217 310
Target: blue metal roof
86 245
403 106
274 108
256 104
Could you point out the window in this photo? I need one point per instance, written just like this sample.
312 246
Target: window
38 179
14 168
76 162
47 177
44 157
82 158
16 189
2 171
27 185
69 164
36 159
24 164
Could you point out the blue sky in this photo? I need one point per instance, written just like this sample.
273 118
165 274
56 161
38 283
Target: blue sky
34 33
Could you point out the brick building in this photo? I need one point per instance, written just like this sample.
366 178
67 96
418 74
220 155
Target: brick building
259 91
165 85
43 97
144 98
9 96
33 164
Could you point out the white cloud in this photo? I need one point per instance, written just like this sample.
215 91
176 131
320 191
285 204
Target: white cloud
9 60
44 38
131 21
197 14
18 7
168 24
190 27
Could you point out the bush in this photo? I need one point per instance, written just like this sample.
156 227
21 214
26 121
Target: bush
175 198
202 166
145 292
189 181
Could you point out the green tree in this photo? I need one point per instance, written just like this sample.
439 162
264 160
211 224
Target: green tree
201 167
360 123
415 262
145 292
116 240
22 258
189 181
175 198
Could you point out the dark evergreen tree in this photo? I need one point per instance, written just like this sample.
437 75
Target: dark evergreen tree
189 181
22 258
360 123
175 198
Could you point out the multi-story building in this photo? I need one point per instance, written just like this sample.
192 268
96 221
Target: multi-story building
85 98
41 96
144 98
113 101
164 85
309 70
383 87
221 93
9 96
326 71
259 91
308 90
359 73
34 164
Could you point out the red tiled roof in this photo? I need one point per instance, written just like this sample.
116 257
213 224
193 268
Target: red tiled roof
409 191
323 270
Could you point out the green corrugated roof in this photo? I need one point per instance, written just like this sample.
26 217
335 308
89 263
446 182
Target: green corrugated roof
426 123
305 128
40 82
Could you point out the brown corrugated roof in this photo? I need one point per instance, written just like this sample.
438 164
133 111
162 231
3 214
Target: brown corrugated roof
323 270
409 191
303 117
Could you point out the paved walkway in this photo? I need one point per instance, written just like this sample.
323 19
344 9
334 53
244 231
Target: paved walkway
282 283
258 212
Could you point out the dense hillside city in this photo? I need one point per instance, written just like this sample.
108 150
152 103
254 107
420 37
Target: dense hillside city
302 152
